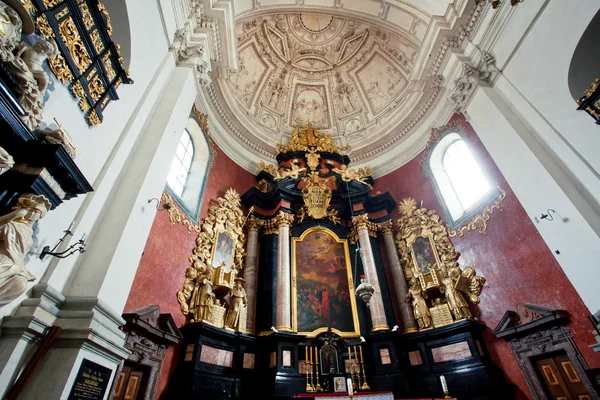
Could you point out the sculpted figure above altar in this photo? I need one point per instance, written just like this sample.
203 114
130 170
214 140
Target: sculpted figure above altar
16 240
32 80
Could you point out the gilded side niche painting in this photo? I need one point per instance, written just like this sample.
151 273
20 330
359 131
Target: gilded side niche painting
323 290
223 250
424 253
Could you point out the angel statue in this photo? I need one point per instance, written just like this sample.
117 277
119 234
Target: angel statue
16 240
420 309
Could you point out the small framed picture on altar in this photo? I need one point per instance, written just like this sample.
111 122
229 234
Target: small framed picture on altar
339 384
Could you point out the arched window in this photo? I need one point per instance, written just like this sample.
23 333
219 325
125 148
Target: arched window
187 177
460 182
180 167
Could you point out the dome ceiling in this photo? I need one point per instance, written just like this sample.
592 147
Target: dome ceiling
340 74
353 78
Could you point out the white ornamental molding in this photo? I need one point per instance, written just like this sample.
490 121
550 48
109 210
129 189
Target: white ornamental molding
471 78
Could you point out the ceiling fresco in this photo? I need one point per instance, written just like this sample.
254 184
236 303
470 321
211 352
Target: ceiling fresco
368 82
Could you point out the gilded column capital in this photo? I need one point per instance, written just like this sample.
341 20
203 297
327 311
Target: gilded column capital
254 224
270 227
284 219
386 227
361 221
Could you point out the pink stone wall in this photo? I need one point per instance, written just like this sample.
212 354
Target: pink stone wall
512 256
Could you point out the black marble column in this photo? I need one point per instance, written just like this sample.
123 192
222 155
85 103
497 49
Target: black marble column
267 283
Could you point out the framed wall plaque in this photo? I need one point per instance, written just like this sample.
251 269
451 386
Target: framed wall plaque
91 381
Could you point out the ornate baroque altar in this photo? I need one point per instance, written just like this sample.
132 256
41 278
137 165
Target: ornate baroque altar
291 297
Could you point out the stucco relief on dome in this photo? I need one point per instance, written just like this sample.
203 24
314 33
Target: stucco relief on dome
341 74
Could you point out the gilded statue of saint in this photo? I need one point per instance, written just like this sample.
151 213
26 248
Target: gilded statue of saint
202 297
456 301
183 296
237 300
420 309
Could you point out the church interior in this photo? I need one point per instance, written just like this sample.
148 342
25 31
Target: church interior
300 199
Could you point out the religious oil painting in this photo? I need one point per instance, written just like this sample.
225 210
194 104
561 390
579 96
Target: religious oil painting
423 253
223 250
323 293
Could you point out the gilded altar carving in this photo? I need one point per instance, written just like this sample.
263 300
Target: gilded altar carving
312 159
217 259
103 10
71 37
316 196
349 174
430 265
479 222
303 139
176 216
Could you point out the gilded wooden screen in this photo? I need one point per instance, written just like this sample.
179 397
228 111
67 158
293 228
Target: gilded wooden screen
88 59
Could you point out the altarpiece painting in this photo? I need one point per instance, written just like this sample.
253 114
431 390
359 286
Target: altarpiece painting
223 250
323 290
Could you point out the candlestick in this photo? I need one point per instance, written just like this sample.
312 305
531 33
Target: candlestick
349 385
309 386
358 362
365 385
444 387
306 353
318 386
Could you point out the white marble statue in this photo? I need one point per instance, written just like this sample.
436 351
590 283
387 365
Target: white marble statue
58 136
16 240
32 80
11 27
6 161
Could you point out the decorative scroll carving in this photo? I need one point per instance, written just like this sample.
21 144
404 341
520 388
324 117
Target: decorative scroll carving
429 258
268 168
479 222
217 259
176 216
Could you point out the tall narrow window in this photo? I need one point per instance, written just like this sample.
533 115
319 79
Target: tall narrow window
180 167
189 170
459 180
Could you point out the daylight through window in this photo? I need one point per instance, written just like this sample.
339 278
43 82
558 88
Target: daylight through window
180 167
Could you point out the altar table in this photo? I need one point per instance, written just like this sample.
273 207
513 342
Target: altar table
359 395
346 396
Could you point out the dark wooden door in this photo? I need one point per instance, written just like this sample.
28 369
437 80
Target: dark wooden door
128 385
561 380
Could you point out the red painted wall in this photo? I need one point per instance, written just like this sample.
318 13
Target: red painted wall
514 258
162 267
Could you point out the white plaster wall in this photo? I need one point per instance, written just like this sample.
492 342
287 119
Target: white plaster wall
535 65
97 145
501 132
